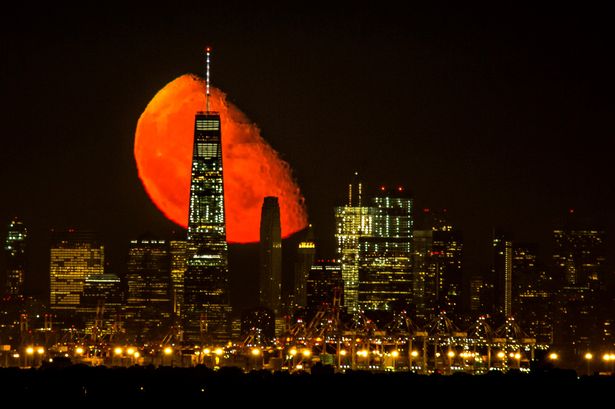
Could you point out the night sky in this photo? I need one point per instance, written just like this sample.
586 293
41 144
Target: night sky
503 116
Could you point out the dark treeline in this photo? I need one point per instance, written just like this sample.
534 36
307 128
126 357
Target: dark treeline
230 386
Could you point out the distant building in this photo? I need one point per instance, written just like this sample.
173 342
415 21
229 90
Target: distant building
578 256
270 272
385 257
446 256
425 280
102 303
178 250
324 285
502 272
15 253
352 222
148 298
438 268
306 253
75 255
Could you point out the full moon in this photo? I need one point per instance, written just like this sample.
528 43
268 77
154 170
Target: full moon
252 169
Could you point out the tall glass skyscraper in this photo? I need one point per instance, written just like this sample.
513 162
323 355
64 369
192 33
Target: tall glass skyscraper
15 252
206 313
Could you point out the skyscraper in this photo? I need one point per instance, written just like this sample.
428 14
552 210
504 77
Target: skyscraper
502 272
206 313
578 256
148 278
306 253
352 222
385 257
324 284
178 268
75 255
102 303
270 271
15 252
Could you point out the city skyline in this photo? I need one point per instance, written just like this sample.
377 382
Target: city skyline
500 134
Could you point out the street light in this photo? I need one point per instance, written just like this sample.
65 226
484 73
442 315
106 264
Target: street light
553 356
30 351
588 357
118 351
79 350
40 350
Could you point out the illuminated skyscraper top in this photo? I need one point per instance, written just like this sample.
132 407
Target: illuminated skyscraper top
206 302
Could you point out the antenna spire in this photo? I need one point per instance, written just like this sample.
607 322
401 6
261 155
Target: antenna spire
208 51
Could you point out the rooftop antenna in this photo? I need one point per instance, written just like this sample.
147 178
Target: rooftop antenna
208 51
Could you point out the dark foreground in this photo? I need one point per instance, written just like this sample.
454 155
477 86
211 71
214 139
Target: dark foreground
151 386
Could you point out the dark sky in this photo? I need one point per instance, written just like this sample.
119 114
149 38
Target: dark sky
502 115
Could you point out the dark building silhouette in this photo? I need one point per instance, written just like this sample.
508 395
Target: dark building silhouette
15 258
438 268
324 285
102 304
148 281
306 253
270 271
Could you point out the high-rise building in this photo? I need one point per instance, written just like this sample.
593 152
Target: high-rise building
352 222
385 257
75 255
206 311
531 293
15 253
578 256
148 298
102 303
425 283
324 285
503 273
270 271
306 253
446 256
178 249
437 265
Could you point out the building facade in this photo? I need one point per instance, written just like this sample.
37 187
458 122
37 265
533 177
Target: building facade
75 255
206 310
270 246
148 280
15 255
385 257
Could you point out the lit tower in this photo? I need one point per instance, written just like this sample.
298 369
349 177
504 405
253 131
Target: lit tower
15 249
385 257
206 310
270 290
352 222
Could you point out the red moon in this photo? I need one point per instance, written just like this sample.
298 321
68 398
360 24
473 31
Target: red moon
252 168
